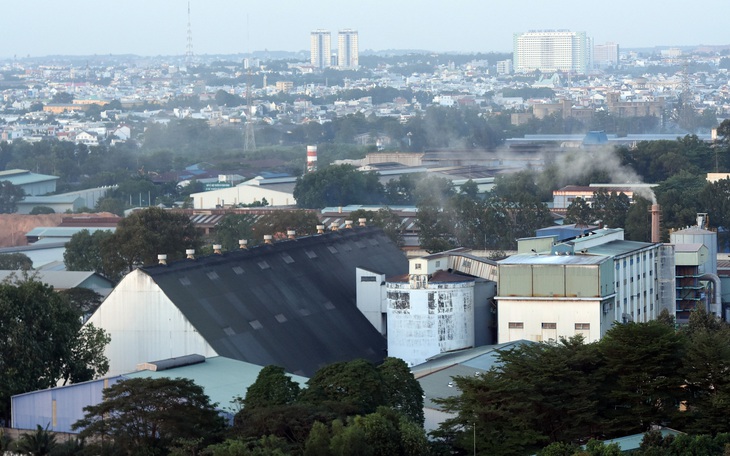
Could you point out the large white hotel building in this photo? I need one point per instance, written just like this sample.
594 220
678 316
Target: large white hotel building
552 50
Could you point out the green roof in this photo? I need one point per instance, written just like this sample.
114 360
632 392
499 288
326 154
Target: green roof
223 379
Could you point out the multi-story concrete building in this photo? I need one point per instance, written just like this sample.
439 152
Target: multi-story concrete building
320 48
552 50
348 53
605 55
582 286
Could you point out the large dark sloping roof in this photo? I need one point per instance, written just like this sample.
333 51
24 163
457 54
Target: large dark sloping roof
291 303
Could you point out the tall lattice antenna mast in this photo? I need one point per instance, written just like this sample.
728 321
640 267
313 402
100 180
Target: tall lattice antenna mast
249 143
189 48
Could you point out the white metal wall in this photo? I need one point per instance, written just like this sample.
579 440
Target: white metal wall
145 326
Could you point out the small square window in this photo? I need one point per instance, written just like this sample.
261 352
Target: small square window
418 265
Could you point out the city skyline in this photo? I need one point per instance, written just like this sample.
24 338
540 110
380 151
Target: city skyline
79 27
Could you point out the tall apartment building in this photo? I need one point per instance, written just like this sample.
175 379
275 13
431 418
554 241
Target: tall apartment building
320 48
605 55
347 49
552 50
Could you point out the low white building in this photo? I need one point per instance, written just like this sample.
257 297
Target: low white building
276 192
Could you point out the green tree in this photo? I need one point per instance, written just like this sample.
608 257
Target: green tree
272 387
638 220
94 252
611 208
38 443
401 390
39 210
348 388
15 261
233 228
318 441
579 212
277 223
42 341
142 236
338 185
9 197
62 98
386 219
108 204
148 415
643 376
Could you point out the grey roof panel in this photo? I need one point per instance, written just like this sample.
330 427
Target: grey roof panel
286 307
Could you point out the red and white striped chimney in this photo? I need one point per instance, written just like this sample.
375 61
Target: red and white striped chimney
311 159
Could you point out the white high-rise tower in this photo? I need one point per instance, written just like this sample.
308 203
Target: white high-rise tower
348 55
320 48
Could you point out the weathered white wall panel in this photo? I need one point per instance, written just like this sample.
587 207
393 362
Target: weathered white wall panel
144 326
423 322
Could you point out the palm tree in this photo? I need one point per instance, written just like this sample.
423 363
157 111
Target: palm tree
38 443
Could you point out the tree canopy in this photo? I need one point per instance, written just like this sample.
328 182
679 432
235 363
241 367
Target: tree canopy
338 185
42 341
9 197
151 415
143 235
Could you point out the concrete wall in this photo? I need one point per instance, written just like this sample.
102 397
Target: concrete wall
531 314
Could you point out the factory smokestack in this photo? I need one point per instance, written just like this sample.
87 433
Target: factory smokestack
311 159
655 223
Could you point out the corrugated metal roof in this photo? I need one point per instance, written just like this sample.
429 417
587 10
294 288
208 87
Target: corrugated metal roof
617 248
436 375
291 303
221 378
24 177
63 231
526 258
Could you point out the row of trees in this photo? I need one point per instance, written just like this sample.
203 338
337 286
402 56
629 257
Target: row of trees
346 408
638 375
143 235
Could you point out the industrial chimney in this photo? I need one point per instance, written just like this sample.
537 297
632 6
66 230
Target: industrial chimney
655 223
311 159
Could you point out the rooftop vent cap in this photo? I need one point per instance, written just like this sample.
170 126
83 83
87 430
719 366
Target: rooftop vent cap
291 234
217 249
162 258
361 221
334 226
243 243
320 229
190 254
348 224
268 239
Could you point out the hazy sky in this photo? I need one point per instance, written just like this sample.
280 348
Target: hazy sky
159 27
